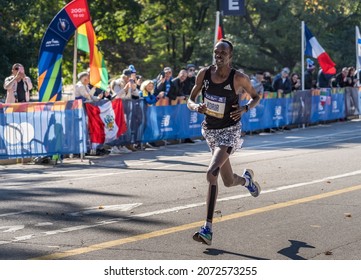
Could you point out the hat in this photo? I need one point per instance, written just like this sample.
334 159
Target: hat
82 74
310 64
167 69
127 72
286 70
190 65
132 69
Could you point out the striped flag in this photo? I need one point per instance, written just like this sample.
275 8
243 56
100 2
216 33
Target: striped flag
315 50
220 31
106 120
87 42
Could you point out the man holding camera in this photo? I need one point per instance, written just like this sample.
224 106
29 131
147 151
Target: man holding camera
18 85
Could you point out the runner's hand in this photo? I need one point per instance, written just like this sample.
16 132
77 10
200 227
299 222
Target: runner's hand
237 114
201 108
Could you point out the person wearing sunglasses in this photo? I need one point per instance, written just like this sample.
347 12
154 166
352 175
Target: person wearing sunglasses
18 85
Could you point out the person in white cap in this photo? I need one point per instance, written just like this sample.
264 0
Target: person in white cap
82 90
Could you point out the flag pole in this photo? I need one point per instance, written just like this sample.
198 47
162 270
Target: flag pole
216 30
303 53
358 66
218 14
75 60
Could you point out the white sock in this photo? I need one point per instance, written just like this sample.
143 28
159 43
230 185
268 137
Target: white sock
247 182
208 224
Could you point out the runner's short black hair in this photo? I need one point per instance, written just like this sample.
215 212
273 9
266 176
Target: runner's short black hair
228 43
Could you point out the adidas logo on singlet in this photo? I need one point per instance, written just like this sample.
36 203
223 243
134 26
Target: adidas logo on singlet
228 87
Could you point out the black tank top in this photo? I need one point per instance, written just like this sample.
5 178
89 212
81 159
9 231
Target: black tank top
219 99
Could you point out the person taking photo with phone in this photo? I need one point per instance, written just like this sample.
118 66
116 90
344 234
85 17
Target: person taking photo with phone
18 85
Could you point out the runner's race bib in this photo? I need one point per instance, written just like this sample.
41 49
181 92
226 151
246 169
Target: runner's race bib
216 105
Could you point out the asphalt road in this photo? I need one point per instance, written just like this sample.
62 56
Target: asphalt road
147 204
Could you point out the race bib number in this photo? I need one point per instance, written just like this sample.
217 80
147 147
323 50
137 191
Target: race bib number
216 105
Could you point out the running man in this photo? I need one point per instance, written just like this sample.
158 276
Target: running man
220 85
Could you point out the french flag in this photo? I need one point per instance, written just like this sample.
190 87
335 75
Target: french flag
315 50
106 120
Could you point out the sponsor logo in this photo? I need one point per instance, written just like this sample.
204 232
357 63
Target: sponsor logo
253 113
334 105
165 124
278 113
166 121
52 43
63 25
278 110
109 121
228 87
19 133
206 84
194 117
335 108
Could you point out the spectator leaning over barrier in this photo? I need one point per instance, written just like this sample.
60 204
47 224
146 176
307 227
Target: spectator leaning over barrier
191 80
282 83
165 87
295 81
18 85
256 81
267 82
180 87
309 79
123 87
351 92
147 92
107 94
82 90
341 78
351 77
323 80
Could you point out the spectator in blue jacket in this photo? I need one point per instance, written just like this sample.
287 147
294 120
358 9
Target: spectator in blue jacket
147 92
282 83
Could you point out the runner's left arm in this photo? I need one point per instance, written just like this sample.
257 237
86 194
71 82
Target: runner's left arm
241 81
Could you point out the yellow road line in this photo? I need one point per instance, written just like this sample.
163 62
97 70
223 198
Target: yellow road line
140 237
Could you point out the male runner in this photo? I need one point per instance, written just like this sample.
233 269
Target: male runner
220 85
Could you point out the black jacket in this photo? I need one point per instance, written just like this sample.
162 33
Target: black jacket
278 83
162 87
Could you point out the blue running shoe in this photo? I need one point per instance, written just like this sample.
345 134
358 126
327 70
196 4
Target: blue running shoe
253 187
204 235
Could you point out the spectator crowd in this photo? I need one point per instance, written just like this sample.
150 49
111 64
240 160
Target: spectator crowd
170 89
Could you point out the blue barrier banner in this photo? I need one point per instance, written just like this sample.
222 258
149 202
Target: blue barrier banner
327 106
39 129
171 122
152 123
269 113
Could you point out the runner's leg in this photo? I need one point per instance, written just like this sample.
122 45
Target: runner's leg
220 156
229 178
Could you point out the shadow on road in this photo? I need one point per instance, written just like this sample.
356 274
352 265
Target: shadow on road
293 250
217 252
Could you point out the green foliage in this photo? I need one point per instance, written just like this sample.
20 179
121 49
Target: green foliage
151 34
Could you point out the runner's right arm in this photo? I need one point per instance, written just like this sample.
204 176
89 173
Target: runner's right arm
191 103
